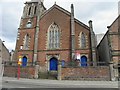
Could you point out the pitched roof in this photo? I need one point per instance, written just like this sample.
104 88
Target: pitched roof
118 18
66 12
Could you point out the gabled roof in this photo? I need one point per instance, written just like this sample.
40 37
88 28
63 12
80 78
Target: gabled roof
66 12
109 30
115 20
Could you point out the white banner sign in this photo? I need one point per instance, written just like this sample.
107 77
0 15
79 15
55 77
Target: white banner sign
78 56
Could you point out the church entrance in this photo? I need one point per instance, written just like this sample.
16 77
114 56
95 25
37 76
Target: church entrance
53 64
83 61
24 61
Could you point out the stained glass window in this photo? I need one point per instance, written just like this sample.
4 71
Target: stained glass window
53 37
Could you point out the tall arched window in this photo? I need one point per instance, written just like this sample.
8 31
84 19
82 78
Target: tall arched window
26 42
29 11
53 37
35 9
82 40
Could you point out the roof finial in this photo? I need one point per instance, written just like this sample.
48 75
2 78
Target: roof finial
72 9
38 1
55 2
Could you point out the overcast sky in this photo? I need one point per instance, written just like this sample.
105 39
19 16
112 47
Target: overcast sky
101 12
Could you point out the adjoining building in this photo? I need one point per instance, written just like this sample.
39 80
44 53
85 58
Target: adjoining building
109 48
12 55
99 37
4 52
4 57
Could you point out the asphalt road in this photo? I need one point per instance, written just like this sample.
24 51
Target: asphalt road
60 89
13 83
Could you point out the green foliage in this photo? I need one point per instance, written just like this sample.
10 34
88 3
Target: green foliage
72 64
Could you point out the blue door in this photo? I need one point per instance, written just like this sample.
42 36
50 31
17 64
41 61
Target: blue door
83 61
24 61
53 64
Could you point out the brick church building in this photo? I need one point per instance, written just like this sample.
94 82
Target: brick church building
48 36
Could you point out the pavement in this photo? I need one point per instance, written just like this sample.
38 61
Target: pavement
0 82
9 82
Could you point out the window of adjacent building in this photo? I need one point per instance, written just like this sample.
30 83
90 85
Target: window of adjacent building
26 42
82 40
53 37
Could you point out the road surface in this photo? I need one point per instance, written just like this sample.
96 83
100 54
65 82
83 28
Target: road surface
8 82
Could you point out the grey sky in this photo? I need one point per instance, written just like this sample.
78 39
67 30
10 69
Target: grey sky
100 12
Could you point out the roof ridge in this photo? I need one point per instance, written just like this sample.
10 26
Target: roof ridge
66 12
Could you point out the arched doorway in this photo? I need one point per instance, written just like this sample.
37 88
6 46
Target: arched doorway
53 64
24 61
83 61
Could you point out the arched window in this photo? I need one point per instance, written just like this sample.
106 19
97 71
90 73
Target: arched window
29 24
35 9
82 40
53 37
29 11
26 42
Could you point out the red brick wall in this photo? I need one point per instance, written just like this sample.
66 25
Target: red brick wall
78 30
27 72
28 54
115 39
62 20
86 73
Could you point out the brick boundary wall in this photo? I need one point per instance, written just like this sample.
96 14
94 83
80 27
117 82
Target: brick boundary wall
26 72
86 73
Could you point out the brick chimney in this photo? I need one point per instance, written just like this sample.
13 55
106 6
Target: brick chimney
72 33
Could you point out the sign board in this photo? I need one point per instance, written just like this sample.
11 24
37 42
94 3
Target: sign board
78 56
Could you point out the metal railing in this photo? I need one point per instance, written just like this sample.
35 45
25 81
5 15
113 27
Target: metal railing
85 64
65 64
14 63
